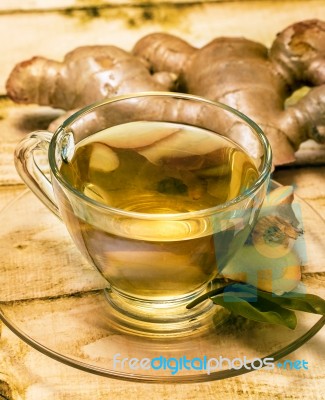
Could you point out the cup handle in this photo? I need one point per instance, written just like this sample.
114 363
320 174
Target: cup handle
29 170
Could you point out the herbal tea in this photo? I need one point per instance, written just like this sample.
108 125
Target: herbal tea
161 168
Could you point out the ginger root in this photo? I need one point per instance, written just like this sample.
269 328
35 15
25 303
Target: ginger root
239 72
87 74
257 81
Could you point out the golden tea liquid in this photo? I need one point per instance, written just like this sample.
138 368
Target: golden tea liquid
156 168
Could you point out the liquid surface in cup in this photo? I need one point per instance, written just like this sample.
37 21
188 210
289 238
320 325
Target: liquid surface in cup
157 168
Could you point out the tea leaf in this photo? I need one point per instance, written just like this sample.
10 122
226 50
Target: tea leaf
291 300
257 305
261 311
301 302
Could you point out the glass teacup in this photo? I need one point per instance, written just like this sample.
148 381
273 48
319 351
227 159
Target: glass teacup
158 191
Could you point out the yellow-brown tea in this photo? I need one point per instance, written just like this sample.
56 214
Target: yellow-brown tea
156 168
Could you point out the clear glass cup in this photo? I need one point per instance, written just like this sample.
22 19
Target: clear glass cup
154 263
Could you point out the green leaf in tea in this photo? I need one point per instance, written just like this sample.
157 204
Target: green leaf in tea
260 311
257 305
291 300
298 301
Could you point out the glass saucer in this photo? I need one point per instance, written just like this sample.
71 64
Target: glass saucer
54 301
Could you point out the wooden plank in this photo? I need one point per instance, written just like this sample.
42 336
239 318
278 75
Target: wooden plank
309 184
15 122
50 5
42 255
8 194
52 34
10 6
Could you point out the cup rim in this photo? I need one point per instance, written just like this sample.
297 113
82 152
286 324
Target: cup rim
264 174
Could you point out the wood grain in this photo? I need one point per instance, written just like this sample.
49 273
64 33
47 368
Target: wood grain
49 5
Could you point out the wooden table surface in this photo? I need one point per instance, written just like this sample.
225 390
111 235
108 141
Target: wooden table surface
51 28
